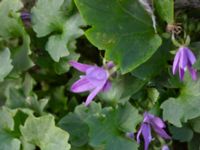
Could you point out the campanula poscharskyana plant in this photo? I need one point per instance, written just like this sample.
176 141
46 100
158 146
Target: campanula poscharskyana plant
95 80
151 122
184 59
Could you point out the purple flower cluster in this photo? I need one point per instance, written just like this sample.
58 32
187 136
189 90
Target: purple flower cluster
184 60
151 122
95 80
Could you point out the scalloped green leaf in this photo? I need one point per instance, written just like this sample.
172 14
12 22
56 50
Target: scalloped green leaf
52 19
14 34
123 28
183 134
8 23
63 66
195 124
73 124
5 63
106 128
47 17
42 132
155 64
7 142
185 106
58 45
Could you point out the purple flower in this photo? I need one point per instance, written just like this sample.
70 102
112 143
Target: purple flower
184 60
151 121
25 16
165 147
95 80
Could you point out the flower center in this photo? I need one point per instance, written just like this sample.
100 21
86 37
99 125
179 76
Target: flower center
97 73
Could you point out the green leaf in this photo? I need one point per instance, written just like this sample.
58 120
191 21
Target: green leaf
106 128
43 133
28 84
38 106
6 119
51 19
22 52
5 63
63 66
185 106
155 64
195 123
23 97
47 19
58 45
15 98
122 89
14 34
183 134
10 120
76 127
126 121
7 142
8 23
195 46
153 95
165 9
127 34
26 145
85 112
194 144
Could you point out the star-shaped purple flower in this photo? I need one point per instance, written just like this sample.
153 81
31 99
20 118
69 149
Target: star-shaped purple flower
151 121
184 60
95 80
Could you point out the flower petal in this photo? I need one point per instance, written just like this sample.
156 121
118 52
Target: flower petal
92 95
139 133
183 62
158 122
161 132
176 62
193 73
191 56
107 86
146 132
82 85
79 66
147 117
181 74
